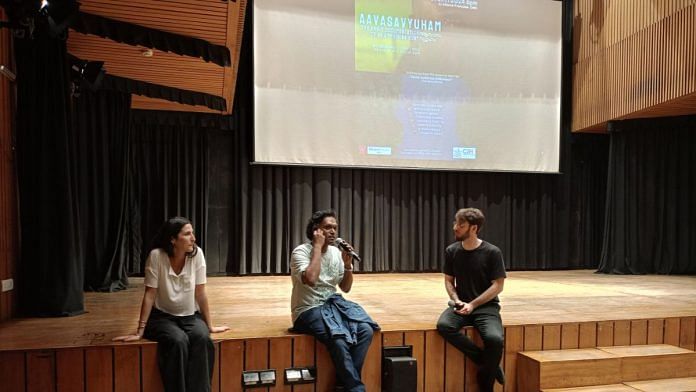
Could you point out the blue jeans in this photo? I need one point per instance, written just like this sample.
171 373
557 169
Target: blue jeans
348 359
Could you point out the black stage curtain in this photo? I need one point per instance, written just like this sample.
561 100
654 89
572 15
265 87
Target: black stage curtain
651 197
168 167
100 158
51 273
401 220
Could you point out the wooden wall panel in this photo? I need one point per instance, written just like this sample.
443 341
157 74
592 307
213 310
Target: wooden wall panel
587 335
303 355
215 381
441 367
8 203
127 368
551 337
672 331
372 369
633 58
231 365
326 373
98 369
514 343
392 339
434 362
656 331
12 370
417 340
256 356
41 366
622 333
281 358
454 369
639 332
687 330
470 366
70 370
570 335
605 333
150 371
533 337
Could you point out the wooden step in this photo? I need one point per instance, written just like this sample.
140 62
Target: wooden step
602 366
653 362
687 384
671 385
537 370
595 388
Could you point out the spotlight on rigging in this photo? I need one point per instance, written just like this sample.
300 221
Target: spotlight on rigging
59 14
86 75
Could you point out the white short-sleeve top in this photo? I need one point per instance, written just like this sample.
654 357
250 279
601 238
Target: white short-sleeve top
175 293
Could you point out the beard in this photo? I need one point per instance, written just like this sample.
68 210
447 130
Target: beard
463 237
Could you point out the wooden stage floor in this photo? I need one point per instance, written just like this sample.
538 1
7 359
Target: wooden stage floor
259 306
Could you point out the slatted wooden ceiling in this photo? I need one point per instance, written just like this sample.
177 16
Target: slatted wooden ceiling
634 59
216 21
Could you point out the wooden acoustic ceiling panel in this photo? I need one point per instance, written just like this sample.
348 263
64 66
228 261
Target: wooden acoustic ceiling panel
216 21
204 19
163 68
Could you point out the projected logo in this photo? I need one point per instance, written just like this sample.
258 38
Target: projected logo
463 152
386 31
466 4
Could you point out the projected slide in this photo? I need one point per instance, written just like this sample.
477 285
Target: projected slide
435 84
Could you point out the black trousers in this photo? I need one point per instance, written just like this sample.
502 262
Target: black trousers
185 352
487 321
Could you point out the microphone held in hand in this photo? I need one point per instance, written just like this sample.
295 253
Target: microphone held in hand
343 245
453 304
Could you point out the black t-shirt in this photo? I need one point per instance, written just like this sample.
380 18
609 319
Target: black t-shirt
473 270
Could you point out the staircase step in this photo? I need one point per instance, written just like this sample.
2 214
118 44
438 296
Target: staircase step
537 370
672 385
686 384
602 366
595 388
655 361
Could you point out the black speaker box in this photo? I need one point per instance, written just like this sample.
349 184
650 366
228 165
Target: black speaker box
399 374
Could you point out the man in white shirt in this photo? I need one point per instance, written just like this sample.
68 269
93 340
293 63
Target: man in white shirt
343 326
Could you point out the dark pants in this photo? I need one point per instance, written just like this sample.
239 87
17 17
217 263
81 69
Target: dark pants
348 359
185 352
487 321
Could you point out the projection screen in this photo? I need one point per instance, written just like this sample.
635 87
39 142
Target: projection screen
431 84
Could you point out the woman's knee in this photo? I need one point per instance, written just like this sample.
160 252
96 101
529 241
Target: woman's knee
175 339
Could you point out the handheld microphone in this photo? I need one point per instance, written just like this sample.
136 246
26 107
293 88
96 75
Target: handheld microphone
452 304
343 245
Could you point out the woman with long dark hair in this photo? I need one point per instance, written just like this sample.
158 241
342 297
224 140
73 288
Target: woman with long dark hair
175 311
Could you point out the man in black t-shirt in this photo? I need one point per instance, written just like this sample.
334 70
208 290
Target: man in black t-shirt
474 276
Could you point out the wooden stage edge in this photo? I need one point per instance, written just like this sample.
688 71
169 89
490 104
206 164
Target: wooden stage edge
541 311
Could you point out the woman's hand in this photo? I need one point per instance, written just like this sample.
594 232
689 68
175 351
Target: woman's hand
219 329
127 338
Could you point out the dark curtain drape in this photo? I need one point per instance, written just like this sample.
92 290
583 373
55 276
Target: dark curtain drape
168 167
401 220
51 276
99 155
651 197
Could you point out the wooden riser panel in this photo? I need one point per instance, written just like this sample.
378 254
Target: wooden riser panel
134 367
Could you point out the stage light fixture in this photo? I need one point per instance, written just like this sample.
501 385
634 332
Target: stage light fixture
7 73
89 73
43 8
59 14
